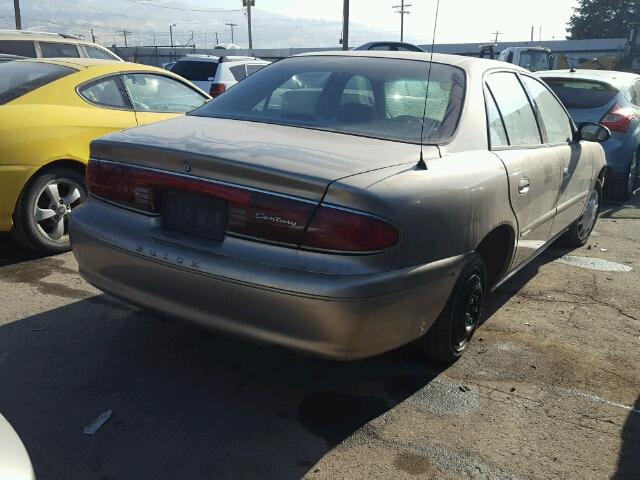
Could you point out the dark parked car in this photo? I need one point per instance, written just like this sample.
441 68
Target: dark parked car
390 47
612 99
328 204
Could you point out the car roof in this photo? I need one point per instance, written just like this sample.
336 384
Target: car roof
466 63
613 78
218 59
90 63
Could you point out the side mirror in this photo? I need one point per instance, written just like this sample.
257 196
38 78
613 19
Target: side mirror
594 132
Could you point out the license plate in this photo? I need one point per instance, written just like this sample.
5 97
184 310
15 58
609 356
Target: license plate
195 214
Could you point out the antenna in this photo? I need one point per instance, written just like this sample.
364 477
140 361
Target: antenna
426 95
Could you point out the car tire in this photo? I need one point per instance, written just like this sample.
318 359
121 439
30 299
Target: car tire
449 336
579 231
621 190
39 222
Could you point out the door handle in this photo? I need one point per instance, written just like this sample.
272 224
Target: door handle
523 186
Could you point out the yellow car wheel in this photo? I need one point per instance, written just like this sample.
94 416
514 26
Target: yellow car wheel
41 217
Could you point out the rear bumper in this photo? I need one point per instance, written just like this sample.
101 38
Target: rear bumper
336 316
619 151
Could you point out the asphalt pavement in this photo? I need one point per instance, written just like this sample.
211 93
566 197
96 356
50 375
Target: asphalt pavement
549 388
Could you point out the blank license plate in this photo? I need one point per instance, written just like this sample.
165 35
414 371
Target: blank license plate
195 214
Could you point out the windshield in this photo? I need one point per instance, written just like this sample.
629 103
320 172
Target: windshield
19 78
577 93
374 97
195 70
535 60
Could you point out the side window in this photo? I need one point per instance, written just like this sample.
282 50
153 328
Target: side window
24 48
497 132
239 72
107 92
517 112
94 52
156 93
554 119
357 90
253 68
56 49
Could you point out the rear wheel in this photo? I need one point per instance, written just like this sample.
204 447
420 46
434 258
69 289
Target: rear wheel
579 232
622 189
451 333
41 216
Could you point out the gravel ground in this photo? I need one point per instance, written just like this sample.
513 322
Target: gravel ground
549 389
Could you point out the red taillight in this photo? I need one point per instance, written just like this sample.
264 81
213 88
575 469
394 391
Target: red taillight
251 213
346 231
618 119
217 89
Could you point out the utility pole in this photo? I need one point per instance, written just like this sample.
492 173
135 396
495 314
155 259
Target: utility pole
249 4
93 37
496 33
125 32
171 33
232 25
345 25
402 11
217 42
16 14
532 33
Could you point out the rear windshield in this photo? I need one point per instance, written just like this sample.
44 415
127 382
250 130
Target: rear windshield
577 93
23 48
20 78
199 71
373 97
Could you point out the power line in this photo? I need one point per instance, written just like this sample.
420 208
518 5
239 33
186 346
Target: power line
141 2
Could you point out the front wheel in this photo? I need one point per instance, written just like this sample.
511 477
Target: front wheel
579 231
449 336
42 212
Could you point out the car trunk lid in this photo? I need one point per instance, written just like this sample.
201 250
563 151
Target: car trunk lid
287 160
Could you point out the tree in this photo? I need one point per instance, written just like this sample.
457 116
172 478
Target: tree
603 18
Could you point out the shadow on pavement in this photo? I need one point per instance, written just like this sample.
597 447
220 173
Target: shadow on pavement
629 460
186 403
11 252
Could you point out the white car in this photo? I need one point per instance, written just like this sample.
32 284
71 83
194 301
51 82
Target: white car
216 74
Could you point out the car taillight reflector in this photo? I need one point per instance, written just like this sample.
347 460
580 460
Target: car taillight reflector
251 213
339 230
618 119
217 89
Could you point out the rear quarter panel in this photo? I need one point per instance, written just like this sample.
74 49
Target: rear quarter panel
443 211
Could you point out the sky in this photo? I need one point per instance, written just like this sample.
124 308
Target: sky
275 24
459 20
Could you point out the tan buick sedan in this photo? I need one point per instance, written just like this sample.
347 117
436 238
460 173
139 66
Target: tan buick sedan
343 204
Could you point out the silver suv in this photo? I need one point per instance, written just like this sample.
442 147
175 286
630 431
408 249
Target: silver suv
217 74
50 45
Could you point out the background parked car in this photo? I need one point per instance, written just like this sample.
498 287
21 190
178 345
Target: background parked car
326 203
50 110
15 463
613 99
50 45
390 47
217 74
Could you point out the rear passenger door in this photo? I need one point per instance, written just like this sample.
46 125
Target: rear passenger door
533 168
576 166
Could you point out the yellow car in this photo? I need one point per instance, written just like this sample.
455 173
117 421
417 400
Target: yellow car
50 111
